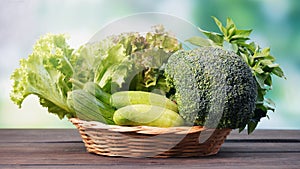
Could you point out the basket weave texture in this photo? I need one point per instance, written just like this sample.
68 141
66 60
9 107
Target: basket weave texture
146 141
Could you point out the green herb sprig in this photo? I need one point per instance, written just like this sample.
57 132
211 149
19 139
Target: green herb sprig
259 60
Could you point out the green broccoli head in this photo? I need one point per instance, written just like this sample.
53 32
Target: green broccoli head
214 88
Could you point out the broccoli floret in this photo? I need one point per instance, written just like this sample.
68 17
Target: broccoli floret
214 87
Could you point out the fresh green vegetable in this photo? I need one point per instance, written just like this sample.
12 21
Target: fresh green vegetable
214 87
124 98
92 103
128 61
259 60
99 93
149 115
114 63
45 73
87 107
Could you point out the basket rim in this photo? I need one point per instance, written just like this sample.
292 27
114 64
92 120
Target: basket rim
149 130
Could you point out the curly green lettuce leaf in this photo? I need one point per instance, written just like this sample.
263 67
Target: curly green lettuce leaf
45 73
118 60
148 67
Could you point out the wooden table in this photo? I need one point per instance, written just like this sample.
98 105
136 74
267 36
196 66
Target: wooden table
63 148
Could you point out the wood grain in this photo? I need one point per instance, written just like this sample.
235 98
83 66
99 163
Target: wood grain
62 148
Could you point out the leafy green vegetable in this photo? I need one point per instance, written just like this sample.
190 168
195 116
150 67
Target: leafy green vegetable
214 88
259 60
128 61
45 73
112 63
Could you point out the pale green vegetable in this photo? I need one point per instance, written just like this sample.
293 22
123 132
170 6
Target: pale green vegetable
45 73
147 115
125 98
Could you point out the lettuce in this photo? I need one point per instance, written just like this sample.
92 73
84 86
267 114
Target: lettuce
45 73
130 61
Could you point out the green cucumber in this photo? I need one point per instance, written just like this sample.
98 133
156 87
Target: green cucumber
88 107
147 115
125 98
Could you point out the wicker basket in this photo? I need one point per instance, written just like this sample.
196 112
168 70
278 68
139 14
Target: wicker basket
145 141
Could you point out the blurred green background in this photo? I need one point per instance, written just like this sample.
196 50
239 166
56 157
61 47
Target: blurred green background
276 23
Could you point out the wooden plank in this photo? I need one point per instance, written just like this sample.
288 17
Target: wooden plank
266 134
151 166
39 135
229 164
223 160
74 153
72 158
